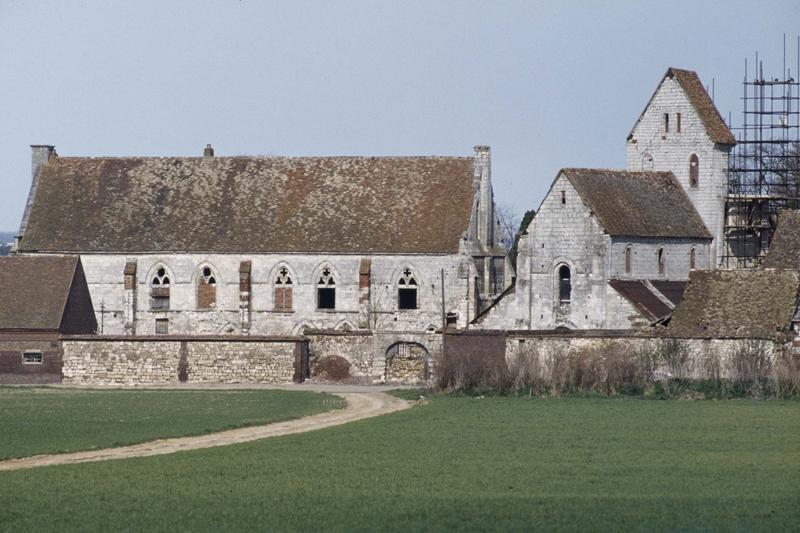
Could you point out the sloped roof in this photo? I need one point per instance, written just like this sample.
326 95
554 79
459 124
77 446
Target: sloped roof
701 102
638 203
784 250
647 296
737 304
34 290
252 204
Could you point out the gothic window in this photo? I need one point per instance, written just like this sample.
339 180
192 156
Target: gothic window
564 284
661 261
693 258
283 290
159 290
206 289
628 259
326 290
407 291
694 170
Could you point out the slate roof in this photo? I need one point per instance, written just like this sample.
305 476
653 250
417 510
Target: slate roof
784 250
647 296
252 204
737 304
638 203
34 291
698 97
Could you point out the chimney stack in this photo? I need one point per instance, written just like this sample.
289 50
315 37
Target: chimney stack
208 151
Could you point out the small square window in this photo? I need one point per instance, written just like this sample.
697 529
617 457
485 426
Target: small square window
326 298
162 326
32 358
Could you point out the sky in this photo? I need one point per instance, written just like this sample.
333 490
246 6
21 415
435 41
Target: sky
546 84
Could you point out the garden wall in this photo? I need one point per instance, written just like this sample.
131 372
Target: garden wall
160 360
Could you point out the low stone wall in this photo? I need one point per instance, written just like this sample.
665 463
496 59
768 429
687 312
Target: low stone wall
686 357
367 353
160 360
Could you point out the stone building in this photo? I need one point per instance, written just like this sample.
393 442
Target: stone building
43 298
607 249
267 245
681 131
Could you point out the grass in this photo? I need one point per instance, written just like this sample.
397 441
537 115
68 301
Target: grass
454 463
52 420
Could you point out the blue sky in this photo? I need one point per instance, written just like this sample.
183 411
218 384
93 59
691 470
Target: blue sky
546 84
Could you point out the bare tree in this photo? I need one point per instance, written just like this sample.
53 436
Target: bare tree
508 222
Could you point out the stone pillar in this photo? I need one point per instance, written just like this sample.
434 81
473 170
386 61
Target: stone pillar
130 297
367 317
245 308
483 173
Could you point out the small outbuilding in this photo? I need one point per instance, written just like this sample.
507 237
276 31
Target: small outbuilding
41 298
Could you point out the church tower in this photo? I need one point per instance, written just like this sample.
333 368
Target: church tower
680 130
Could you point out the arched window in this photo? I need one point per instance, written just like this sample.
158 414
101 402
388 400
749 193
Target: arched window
693 258
407 291
628 259
283 290
694 170
661 261
326 290
564 284
206 289
159 290
647 161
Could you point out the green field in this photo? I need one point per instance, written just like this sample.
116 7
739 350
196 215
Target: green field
52 420
455 463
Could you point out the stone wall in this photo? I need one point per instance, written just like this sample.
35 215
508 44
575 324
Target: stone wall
697 358
104 273
160 360
372 354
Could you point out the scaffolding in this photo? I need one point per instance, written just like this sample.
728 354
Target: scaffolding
764 166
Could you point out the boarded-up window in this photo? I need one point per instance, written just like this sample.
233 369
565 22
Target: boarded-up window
694 170
283 290
162 326
206 289
326 290
628 259
407 291
159 290
661 261
564 284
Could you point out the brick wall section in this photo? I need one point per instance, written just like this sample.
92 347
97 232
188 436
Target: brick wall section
13 370
159 360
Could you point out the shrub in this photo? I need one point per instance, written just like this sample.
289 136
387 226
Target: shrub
332 367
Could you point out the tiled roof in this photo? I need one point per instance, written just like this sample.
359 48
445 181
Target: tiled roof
252 204
702 103
784 250
648 296
737 304
34 291
638 203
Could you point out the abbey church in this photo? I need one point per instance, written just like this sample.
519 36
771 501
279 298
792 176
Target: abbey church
374 255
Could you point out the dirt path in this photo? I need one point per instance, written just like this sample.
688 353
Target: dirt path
359 406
